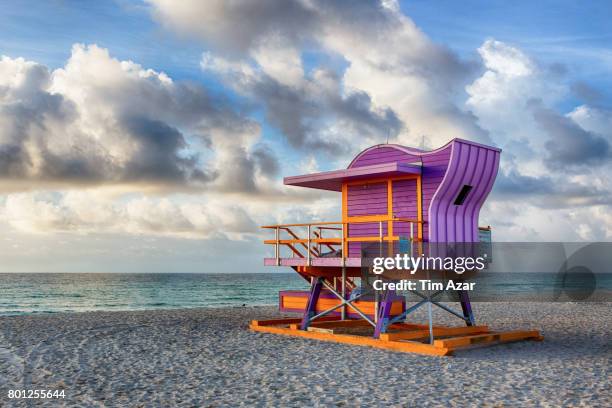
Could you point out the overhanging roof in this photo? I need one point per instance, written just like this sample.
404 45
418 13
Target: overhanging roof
332 180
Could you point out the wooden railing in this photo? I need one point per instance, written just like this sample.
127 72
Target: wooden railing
314 240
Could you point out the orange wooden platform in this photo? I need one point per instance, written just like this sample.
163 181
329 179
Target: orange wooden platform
403 337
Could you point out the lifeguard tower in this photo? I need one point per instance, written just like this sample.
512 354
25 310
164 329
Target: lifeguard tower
394 199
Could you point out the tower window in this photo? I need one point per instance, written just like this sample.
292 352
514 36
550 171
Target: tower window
465 190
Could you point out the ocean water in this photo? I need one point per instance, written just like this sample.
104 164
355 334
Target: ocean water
79 292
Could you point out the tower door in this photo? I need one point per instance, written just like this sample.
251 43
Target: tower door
369 208
368 201
404 193
366 208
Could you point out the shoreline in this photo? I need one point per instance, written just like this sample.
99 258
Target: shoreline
275 306
208 357
161 309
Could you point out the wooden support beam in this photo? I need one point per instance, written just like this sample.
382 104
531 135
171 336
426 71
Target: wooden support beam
438 331
321 330
502 337
273 322
331 324
406 335
409 326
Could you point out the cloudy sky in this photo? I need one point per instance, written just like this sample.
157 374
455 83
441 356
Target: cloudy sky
153 136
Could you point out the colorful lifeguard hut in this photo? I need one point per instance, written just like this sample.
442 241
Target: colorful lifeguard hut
394 199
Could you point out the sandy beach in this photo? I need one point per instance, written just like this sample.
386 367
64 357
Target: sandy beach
208 357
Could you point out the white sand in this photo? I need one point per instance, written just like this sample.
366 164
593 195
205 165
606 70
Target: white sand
208 357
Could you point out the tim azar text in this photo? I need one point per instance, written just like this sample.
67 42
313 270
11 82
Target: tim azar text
422 284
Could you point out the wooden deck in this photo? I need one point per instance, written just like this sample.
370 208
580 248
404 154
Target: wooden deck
402 337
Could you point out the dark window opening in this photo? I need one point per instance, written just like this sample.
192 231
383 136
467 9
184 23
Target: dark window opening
465 190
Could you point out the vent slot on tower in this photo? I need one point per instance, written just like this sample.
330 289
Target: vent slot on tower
465 190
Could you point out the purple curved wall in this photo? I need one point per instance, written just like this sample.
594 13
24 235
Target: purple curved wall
473 165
